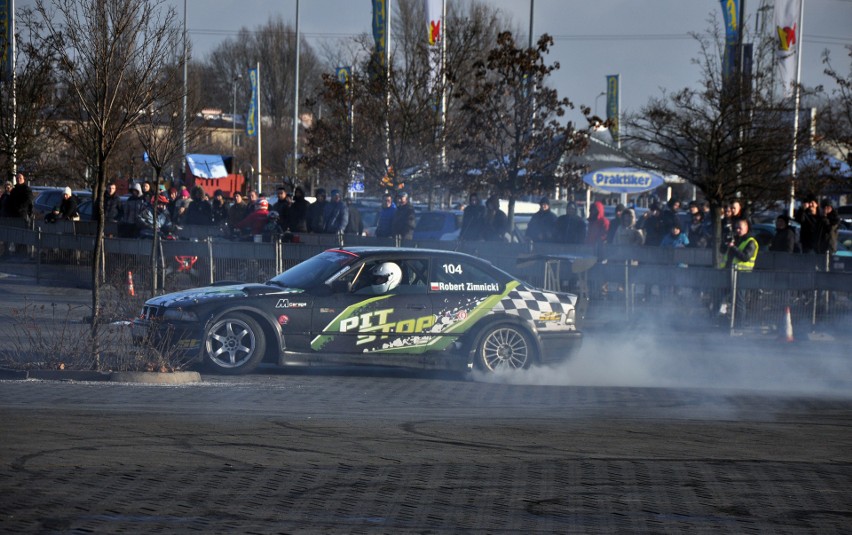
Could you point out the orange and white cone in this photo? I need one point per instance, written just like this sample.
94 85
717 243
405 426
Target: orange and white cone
788 326
130 290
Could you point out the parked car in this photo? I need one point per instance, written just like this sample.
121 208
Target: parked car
368 305
438 225
50 198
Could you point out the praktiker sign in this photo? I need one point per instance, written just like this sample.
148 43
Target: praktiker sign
623 180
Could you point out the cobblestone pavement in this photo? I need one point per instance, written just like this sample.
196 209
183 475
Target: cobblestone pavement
351 450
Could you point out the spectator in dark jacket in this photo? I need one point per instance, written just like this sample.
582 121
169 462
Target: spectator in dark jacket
570 226
784 240
542 225
335 214
219 207
199 211
384 224
21 199
473 219
496 225
67 209
298 212
404 218
238 211
809 219
112 204
316 213
829 227
355 224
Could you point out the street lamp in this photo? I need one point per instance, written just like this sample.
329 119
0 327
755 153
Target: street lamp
234 124
602 94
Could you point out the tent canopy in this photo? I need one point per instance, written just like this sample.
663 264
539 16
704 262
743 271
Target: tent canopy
206 165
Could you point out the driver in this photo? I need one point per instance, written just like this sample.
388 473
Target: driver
385 277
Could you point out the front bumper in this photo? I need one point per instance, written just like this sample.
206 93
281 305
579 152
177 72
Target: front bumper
177 338
559 346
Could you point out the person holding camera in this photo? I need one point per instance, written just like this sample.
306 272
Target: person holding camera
809 219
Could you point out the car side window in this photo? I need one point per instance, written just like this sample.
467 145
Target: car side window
456 276
414 277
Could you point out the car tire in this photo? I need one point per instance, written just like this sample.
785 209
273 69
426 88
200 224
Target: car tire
504 347
234 344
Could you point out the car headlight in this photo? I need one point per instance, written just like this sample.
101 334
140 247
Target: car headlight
179 314
570 316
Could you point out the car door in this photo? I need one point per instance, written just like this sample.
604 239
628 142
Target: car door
357 319
461 293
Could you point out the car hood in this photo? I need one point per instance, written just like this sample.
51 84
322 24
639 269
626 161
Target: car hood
217 293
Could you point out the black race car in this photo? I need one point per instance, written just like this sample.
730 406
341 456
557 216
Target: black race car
368 305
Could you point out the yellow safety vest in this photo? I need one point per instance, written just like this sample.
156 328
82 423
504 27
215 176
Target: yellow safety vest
746 265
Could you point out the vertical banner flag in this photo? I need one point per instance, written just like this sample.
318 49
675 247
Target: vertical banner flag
380 8
613 98
788 35
252 119
434 14
435 34
8 62
343 75
730 14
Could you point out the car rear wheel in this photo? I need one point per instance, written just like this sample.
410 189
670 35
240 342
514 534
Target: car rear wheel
234 345
504 347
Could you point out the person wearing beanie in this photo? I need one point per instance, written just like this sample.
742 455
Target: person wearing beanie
67 209
784 240
542 223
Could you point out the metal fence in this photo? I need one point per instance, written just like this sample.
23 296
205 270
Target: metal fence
679 287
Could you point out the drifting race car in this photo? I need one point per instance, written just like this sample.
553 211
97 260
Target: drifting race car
368 305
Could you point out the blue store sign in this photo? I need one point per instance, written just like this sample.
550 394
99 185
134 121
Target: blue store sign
623 180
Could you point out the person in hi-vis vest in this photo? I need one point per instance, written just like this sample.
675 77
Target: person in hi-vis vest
740 255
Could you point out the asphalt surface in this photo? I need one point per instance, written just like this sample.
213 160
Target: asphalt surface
639 433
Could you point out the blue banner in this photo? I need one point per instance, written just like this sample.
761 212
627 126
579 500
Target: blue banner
613 98
6 49
252 119
730 14
380 9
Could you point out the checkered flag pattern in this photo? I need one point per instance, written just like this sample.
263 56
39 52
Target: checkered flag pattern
528 304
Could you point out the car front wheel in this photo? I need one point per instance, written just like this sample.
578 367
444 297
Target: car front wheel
234 345
504 347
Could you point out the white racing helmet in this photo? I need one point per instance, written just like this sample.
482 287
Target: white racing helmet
386 277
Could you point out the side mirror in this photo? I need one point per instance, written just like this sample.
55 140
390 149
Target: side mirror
339 287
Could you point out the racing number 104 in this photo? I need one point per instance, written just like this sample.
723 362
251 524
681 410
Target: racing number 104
453 269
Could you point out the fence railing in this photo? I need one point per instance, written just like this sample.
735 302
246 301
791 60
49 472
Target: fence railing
623 284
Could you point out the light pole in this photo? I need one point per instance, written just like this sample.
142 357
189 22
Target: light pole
601 94
234 124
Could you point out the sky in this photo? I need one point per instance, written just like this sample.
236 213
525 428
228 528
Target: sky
646 42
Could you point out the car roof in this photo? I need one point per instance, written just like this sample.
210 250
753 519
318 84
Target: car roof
365 251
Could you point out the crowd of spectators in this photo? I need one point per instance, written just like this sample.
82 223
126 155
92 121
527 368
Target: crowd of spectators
662 225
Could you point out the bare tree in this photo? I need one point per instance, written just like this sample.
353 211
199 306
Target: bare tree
515 131
838 114
729 143
352 130
273 46
23 135
113 59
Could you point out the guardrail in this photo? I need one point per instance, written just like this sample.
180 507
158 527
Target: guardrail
625 283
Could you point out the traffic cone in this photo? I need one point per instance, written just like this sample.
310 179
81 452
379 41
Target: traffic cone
130 290
788 326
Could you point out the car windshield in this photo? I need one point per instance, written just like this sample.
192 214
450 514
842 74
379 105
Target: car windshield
314 271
